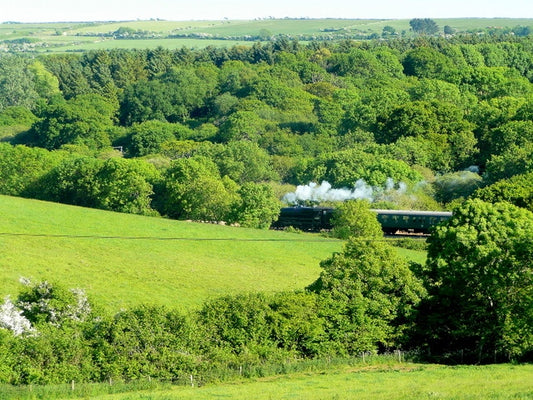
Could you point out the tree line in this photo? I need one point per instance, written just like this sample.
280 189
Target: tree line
417 111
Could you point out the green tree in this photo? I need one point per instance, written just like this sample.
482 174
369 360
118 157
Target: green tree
235 77
185 148
427 62
283 89
238 324
47 303
55 355
99 66
515 160
362 109
490 82
242 125
489 115
296 325
17 115
145 341
17 86
195 190
256 207
448 30
365 64
85 119
115 184
493 54
434 89
354 218
127 67
244 161
170 97
46 84
501 138
517 190
145 100
345 168
367 293
147 137
21 168
441 123
456 185
388 31
126 186
425 26
73 181
70 72
480 283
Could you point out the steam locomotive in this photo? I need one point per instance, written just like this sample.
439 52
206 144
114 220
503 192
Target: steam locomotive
315 219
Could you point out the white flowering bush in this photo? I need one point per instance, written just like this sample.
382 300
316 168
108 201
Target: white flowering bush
11 318
46 303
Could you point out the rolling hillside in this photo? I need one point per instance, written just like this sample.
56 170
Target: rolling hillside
84 36
122 260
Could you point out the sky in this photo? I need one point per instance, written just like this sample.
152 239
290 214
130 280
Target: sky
181 10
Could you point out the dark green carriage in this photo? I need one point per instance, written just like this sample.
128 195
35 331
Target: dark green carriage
410 221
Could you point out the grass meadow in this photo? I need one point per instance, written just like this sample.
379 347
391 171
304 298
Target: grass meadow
380 380
393 382
91 43
123 260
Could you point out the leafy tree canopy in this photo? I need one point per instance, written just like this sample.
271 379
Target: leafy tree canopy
85 119
480 283
367 290
353 218
517 190
256 207
425 26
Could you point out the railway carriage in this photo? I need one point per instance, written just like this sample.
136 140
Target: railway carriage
315 219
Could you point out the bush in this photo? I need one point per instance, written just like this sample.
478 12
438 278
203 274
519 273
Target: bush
354 219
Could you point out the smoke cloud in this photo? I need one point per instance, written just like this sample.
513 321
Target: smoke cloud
316 193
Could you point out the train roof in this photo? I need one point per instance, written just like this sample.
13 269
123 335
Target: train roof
378 211
414 213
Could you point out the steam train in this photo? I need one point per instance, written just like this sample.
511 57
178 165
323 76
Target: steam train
315 219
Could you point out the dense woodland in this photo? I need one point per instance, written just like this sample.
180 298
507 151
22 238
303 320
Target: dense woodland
197 133
220 134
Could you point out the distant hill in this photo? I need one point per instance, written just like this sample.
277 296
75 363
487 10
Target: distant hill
82 36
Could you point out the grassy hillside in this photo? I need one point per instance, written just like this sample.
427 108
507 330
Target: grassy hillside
280 26
122 260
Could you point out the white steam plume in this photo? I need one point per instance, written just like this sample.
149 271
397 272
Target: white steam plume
323 192
316 193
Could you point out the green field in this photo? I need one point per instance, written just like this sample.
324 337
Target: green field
83 36
399 382
171 44
382 381
123 260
